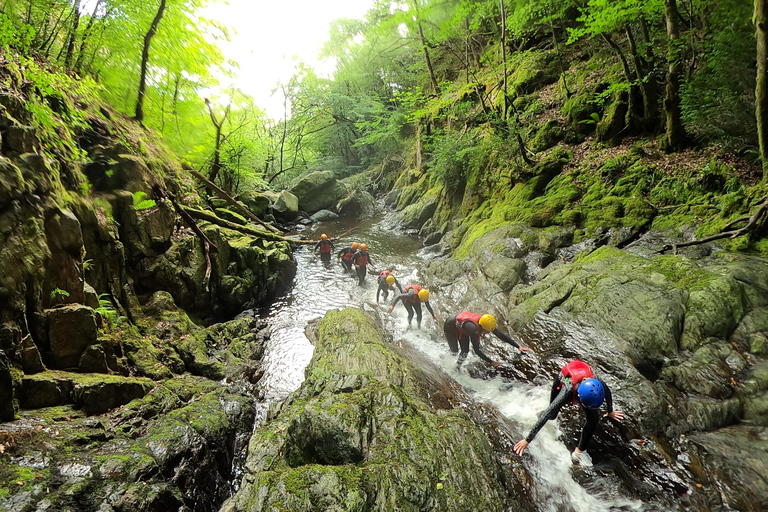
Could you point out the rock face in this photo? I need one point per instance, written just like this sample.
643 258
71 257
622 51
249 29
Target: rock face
680 341
71 329
361 434
318 190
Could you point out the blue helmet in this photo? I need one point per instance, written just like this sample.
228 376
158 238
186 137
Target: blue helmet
591 393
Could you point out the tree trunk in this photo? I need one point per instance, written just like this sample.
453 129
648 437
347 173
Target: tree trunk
675 133
761 90
73 34
145 62
646 88
86 35
505 106
428 61
216 166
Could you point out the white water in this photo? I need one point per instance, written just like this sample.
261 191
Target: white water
318 290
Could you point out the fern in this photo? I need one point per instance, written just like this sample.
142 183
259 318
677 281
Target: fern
140 201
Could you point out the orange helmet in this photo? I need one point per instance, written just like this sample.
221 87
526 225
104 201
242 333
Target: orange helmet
324 236
363 247
355 245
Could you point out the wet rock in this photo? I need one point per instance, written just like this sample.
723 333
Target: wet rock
19 139
71 329
324 215
362 407
416 214
736 461
286 205
706 372
551 240
318 190
231 216
505 272
94 360
358 203
752 329
713 311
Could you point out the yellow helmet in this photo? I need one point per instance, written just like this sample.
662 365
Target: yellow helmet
488 322
423 295
363 247
355 245
324 236
390 279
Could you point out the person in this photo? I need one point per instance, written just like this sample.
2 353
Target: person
326 247
576 383
412 299
387 281
467 327
345 256
362 259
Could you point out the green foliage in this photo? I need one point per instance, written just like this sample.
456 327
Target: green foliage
58 293
108 312
15 37
140 201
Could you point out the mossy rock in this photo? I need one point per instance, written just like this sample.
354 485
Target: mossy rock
614 121
319 447
547 136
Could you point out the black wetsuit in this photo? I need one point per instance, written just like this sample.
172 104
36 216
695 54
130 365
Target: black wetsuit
361 259
412 303
345 255
561 395
471 333
326 247
384 287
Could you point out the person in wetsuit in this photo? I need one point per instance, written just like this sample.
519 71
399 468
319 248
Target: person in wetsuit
387 281
345 256
467 327
325 247
412 299
362 259
576 383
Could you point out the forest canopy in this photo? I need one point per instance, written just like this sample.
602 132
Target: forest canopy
448 80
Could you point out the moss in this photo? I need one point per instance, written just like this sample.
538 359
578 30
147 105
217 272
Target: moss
546 137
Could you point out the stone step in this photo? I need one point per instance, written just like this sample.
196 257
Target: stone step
94 393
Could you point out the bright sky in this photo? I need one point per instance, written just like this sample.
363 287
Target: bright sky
269 35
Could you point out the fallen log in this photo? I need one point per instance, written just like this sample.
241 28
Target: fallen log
223 195
208 246
752 223
213 219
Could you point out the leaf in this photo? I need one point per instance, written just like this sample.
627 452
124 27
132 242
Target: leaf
439 485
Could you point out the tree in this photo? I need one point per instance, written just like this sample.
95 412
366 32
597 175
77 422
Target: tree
145 61
674 136
761 90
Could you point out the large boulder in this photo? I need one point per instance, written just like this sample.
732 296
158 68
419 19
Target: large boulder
318 190
286 205
365 410
71 329
257 203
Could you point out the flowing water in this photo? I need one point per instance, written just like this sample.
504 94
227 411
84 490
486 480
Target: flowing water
558 485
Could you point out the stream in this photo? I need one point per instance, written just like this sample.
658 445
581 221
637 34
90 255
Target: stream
558 485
